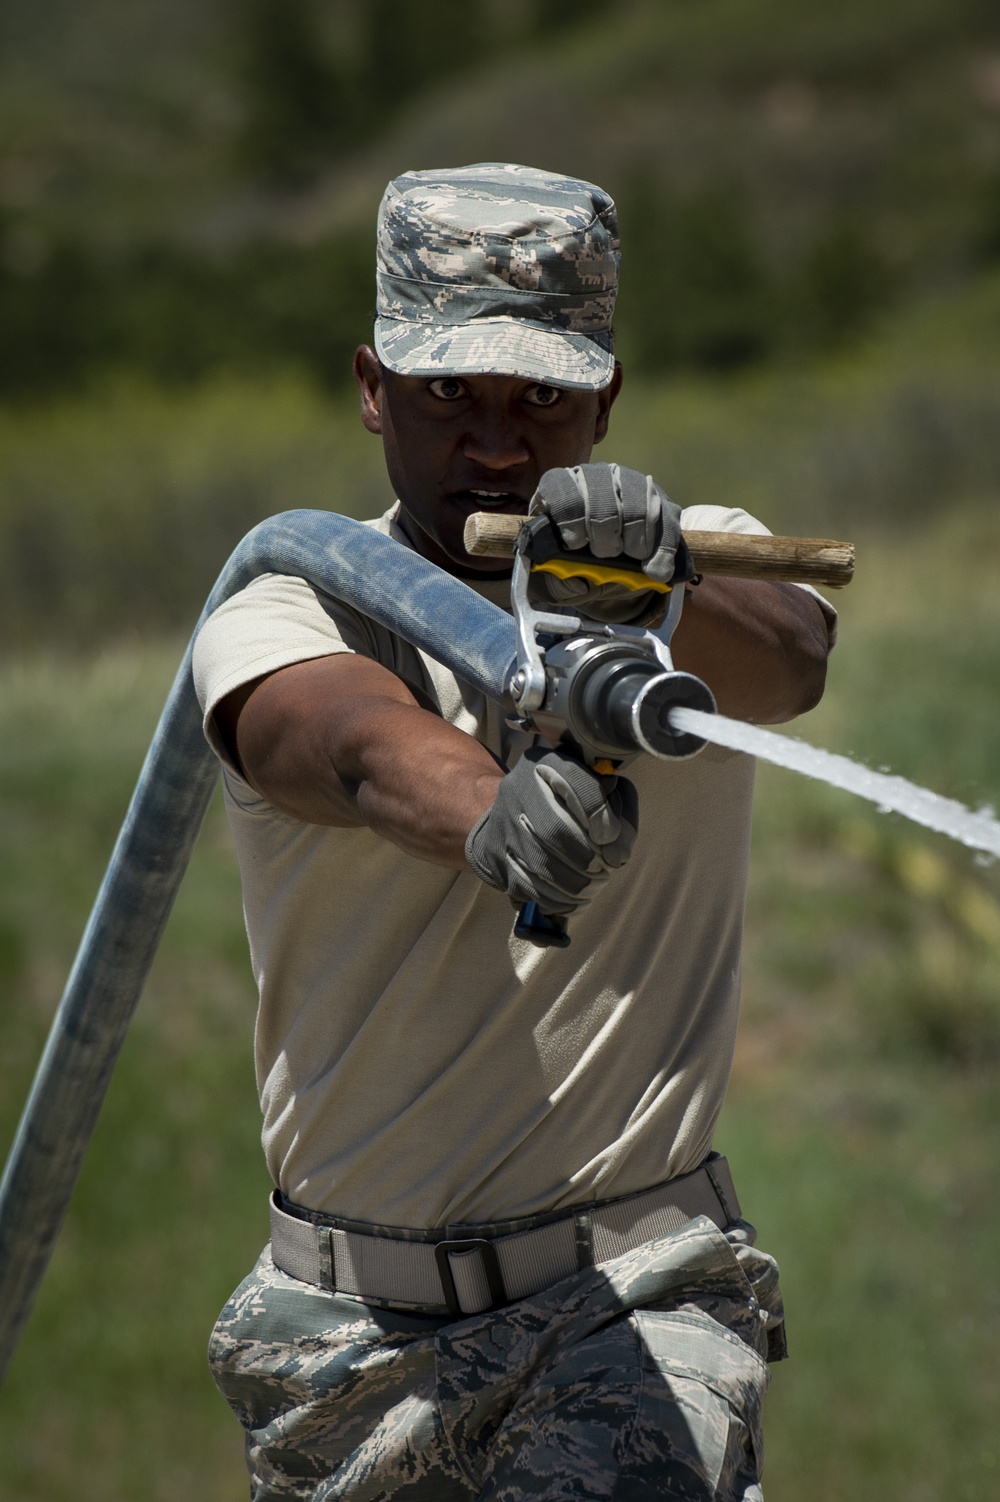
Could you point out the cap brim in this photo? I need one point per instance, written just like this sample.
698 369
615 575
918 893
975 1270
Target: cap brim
494 346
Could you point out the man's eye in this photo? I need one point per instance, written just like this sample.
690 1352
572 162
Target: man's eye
543 396
447 388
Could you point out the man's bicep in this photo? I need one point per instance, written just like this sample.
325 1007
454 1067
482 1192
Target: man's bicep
290 732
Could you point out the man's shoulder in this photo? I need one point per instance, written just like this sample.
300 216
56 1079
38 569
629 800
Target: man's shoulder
704 518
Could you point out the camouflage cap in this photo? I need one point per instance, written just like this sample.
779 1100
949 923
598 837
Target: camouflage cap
496 269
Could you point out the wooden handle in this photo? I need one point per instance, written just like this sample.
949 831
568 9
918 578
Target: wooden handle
740 555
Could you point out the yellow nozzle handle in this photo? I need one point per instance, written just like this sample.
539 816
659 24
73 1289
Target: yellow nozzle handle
565 568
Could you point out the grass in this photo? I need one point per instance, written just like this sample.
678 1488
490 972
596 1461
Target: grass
862 1119
118 508
170 1210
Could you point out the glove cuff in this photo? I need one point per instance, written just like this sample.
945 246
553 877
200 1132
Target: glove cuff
475 857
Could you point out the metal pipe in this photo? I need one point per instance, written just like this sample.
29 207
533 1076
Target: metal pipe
344 558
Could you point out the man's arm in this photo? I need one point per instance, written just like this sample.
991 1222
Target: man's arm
342 741
761 648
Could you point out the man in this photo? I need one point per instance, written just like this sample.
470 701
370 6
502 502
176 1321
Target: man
504 1262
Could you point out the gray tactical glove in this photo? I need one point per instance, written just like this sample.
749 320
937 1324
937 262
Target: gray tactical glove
556 830
614 512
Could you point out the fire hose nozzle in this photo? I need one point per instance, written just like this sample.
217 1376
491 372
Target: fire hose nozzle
614 699
651 708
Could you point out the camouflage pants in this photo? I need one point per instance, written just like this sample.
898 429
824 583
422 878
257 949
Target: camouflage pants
641 1378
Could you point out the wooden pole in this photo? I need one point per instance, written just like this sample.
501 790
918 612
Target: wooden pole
741 555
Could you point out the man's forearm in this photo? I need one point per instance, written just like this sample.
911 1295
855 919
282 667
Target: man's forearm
342 741
761 648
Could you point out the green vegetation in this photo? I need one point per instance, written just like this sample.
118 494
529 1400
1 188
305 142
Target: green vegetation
810 317
169 1211
119 509
863 1112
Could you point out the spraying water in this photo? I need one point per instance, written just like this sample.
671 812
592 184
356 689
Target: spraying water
980 831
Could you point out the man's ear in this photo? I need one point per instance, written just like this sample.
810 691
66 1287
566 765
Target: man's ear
606 400
368 374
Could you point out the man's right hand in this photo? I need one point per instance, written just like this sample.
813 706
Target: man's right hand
556 831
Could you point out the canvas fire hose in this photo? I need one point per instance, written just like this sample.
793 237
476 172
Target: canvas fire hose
494 652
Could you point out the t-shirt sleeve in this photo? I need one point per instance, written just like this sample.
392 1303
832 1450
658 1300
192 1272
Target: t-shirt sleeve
732 519
275 621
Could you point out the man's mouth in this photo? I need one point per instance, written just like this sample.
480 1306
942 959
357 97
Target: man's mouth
491 500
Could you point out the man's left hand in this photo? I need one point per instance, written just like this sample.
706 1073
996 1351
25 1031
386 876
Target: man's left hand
616 513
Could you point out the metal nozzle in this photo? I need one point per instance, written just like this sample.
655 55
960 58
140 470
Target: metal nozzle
651 714
614 699
628 704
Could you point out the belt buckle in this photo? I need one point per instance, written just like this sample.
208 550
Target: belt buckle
491 1267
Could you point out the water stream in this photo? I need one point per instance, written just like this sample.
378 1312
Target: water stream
980 831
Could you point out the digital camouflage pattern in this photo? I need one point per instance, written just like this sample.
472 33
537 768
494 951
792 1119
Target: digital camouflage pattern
497 269
641 1378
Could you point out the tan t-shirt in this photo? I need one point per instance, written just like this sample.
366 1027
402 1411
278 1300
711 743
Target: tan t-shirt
418 1065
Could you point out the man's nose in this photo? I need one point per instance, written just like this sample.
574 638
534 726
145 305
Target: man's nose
494 442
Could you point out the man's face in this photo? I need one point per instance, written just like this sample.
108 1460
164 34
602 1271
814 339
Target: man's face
458 444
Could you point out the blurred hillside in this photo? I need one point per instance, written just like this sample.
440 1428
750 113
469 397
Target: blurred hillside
188 188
